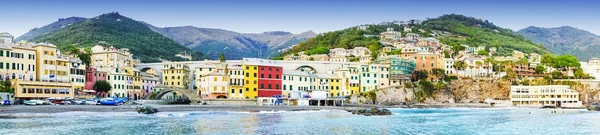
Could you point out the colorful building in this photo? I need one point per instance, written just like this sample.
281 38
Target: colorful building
236 82
92 74
149 81
51 66
400 69
176 74
267 74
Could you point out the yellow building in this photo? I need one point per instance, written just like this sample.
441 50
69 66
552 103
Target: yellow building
176 74
250 81
17 61
50 65
41 90
110 57
334 87
236 82
135 79
52 77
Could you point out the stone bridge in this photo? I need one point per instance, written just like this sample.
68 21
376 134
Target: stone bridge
317 66
190 94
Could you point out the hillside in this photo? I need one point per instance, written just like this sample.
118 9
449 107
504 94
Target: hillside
121 32
61 23
213 42
449 29
565 40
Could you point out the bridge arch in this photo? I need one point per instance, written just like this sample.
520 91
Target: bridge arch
306 68
190 94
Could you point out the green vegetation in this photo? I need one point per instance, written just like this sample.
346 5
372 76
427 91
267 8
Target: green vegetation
115 30
5 86
562 62
454 30
482 53
102 86
395 52
539 69
222 57
477 32
347 38
419 75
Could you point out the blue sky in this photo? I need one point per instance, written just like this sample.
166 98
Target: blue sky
19 16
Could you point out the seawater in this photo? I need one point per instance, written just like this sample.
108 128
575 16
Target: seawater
326 122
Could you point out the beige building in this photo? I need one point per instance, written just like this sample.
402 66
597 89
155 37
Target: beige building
111 57
50 65
17 61
546 95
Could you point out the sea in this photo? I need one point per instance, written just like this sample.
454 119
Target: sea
452 121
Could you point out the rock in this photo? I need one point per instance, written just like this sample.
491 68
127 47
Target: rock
372 112
146 109
368 114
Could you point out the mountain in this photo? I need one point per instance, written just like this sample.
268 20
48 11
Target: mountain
234 45
61 23
121 32
565 40
451 29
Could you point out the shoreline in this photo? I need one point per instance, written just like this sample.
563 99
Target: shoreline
16 109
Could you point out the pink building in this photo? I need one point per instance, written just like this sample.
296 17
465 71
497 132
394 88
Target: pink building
92 74
149 81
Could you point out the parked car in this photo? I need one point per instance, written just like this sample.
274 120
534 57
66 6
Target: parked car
110 101
6 102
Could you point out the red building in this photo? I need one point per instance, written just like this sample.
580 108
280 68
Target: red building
92 75
269 80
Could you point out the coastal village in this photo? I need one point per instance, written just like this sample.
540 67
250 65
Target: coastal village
344 75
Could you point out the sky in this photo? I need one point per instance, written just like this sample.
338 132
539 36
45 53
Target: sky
296 16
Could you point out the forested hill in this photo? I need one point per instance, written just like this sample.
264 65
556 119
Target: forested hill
121 32
450 29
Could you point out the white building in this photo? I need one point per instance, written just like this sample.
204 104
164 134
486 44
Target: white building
297 84
592 67
6 37
449 66
476 67
546 95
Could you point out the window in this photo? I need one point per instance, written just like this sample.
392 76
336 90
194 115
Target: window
269 75
247 75
254 89
283 76
247 89
277 86
262 86
284 87
276 76
262 75
270 86
254 74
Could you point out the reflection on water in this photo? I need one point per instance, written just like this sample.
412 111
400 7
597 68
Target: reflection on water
404 121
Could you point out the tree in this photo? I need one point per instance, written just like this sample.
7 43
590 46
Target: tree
580 74
566 61
523 61
539 69
85 58
446 54
440 73
557 74
460 65
222 57
102 86
427 87
6 86
421 74
482 53
478 63
548 60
